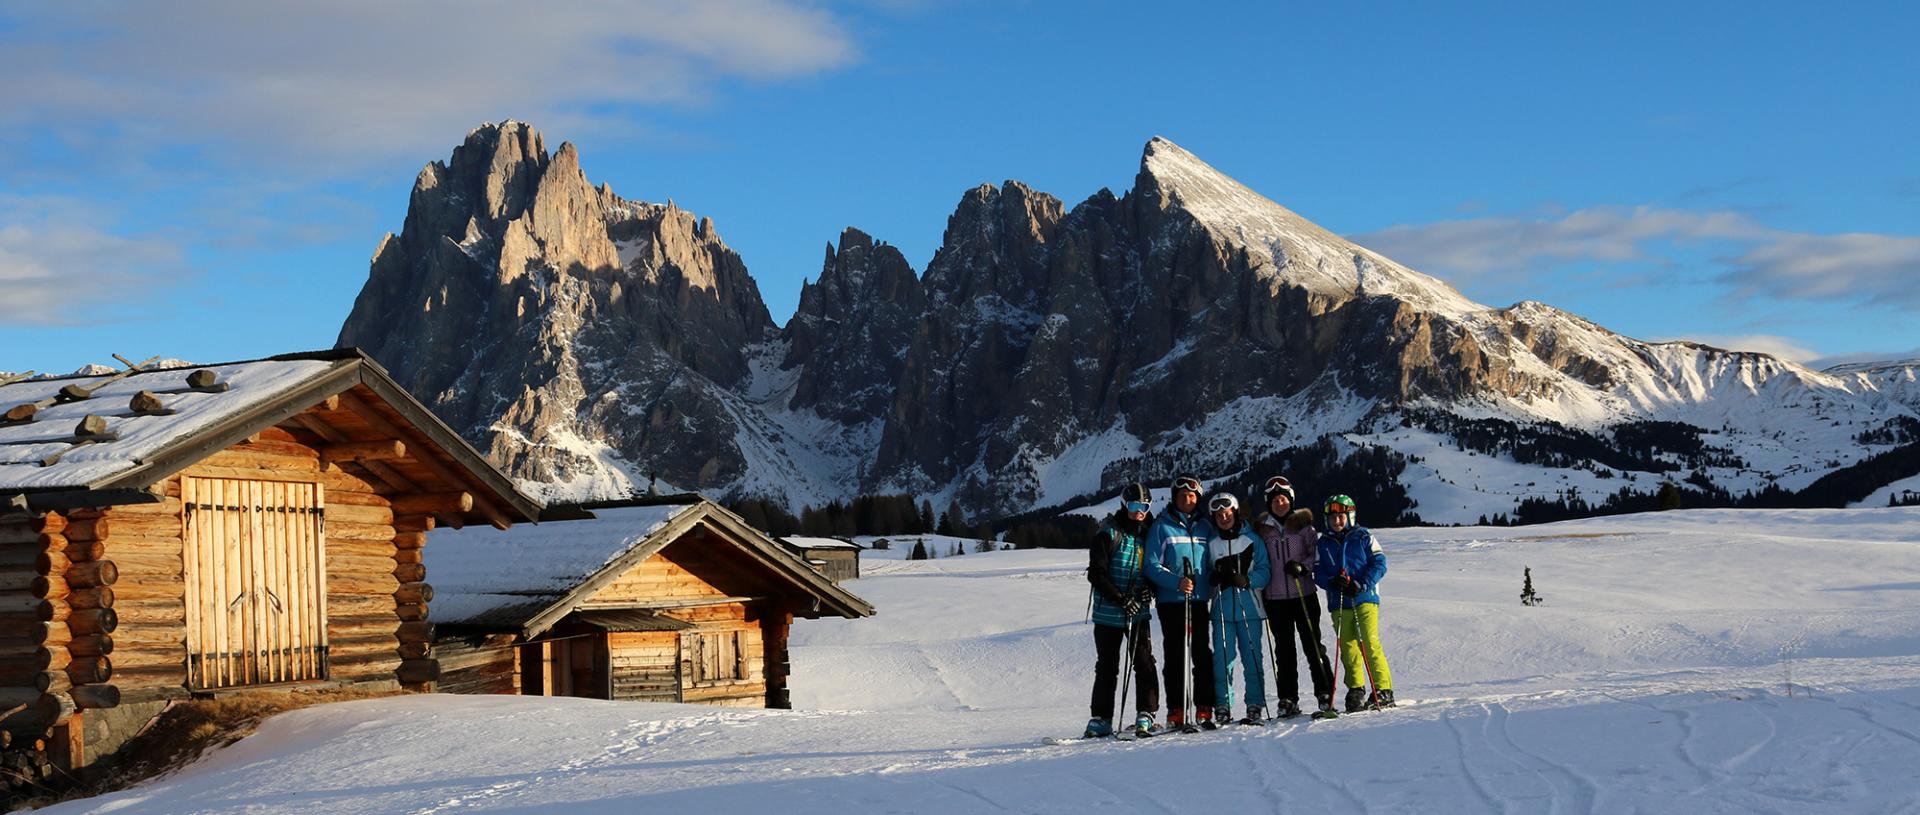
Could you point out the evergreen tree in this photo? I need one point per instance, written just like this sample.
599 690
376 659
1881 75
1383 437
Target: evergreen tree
1669 496
919 551
926 518
1527 597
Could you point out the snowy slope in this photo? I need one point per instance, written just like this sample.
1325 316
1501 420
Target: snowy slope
1714 661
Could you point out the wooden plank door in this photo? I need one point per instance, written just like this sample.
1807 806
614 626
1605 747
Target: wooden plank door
256 582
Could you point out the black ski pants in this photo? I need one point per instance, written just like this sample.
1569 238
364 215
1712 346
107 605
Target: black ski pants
1107 647
1299 617
1172 632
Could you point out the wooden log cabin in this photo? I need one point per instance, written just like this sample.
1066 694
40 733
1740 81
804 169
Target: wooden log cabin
671 599
837 558
189 531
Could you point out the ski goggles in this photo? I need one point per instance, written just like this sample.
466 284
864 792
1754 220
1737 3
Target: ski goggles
1223 501
1187 482
1137 506
1278 483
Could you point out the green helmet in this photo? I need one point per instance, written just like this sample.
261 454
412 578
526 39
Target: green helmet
1339 503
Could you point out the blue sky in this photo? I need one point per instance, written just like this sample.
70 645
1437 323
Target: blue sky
207 180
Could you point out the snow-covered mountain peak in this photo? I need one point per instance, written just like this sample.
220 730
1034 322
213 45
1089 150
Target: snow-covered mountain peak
1281 242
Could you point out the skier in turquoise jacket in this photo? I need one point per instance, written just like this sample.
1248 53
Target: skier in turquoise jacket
1122 603
1240 572
1180 570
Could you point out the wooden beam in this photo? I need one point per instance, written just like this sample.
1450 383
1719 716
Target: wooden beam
382 450
425 459
379 471
434 503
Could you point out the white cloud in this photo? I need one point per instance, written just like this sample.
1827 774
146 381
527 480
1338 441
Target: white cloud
1785 348
1857 266
1761 261
59 267
1824 363
1472 249
336 83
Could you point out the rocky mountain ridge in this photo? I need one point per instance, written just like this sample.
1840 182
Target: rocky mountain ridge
591 344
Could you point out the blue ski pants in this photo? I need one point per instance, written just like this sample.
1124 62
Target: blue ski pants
1241 638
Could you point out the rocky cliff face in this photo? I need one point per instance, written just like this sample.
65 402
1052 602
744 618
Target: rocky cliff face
578 338
586 341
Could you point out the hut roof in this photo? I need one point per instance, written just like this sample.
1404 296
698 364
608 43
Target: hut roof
529 577
86 440
805 542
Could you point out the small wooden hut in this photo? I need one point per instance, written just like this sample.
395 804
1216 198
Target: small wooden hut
191 531
837 558
673 599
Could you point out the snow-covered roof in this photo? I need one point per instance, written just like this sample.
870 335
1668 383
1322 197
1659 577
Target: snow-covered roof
804 542
28 449
487 576
528 577
50 458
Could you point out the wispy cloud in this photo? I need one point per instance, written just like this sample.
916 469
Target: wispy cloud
1518 246
331 84
1783 347
1753 261
1823 363
60 267
1858 266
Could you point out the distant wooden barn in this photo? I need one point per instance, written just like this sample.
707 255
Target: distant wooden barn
670 600
170 533
837 558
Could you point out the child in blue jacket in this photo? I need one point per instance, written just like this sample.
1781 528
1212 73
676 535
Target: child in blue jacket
1350 569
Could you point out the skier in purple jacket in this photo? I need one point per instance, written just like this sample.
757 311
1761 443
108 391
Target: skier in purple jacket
1293 607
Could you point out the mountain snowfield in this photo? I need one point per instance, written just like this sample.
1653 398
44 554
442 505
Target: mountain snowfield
1690 661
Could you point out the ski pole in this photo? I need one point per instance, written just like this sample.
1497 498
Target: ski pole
1126 673
1313 625
1360 638
1187 700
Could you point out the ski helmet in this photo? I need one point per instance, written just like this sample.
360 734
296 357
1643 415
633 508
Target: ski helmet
1186 482
1224 500
1135 498
1278 485
1339 503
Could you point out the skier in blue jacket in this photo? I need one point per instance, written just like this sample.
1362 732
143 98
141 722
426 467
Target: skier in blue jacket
1240 573
1350 569
1178 566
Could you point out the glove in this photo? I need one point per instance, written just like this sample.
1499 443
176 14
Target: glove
1296 568
1131 608
1146 598
1238 580
1348 586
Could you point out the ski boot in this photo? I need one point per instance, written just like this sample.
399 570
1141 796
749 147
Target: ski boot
1254 716
1287 710
1144 727
1177 723
1207 718
1326 710
1356 700
1098 728
1383 699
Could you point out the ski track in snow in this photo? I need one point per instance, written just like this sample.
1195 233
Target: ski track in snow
1631 693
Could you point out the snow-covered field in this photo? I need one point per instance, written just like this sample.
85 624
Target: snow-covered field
1701 661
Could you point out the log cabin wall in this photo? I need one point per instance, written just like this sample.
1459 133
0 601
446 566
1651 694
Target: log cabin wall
34 642
721 660
479 664
118 637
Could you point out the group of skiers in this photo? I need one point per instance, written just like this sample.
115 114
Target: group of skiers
1217 579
